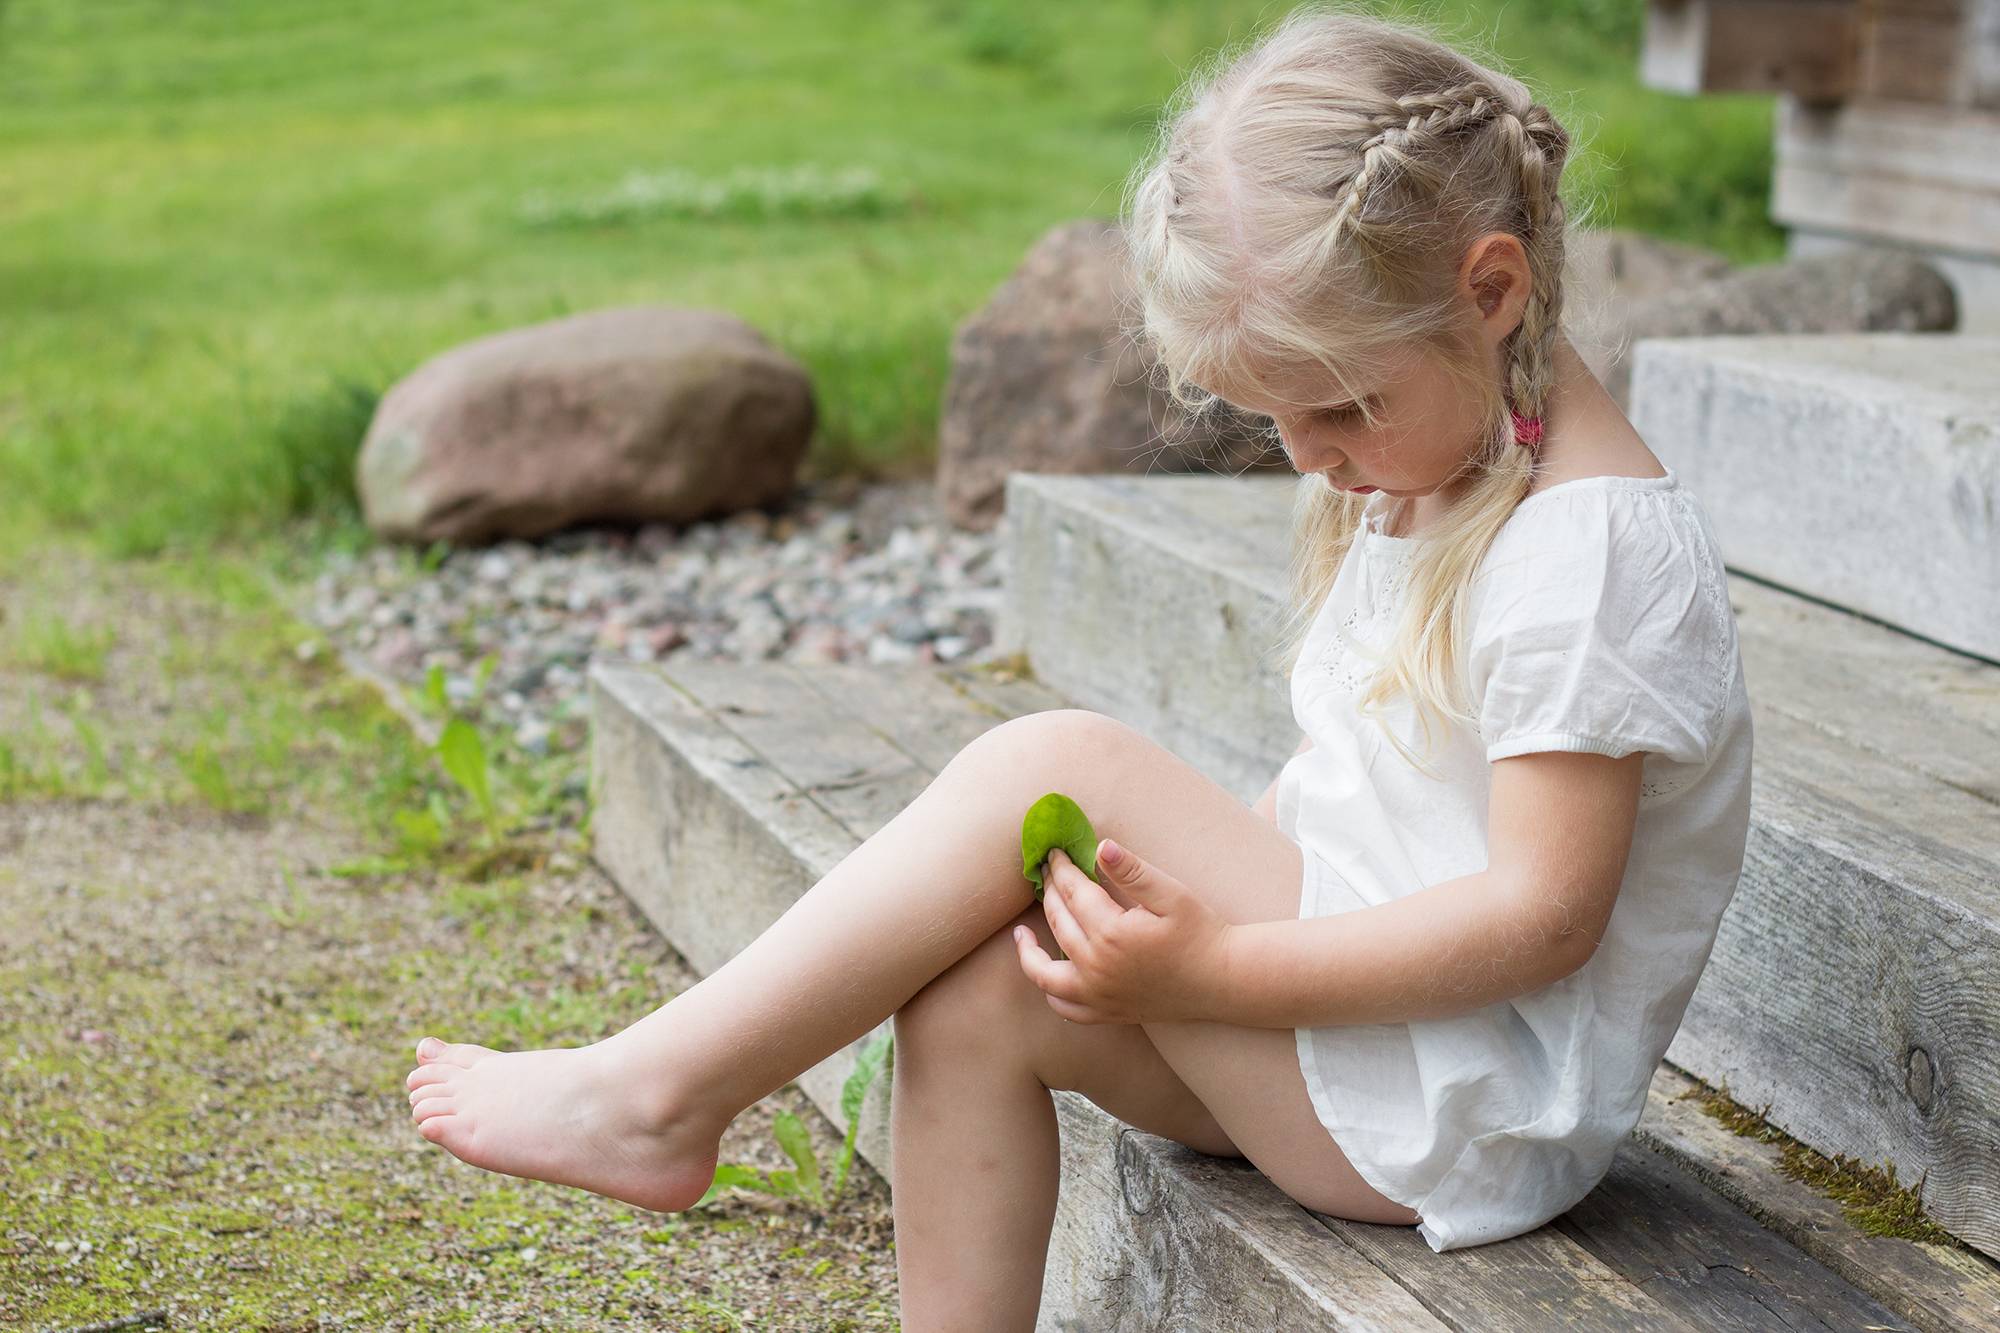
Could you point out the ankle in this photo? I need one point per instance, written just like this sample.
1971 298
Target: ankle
651 1086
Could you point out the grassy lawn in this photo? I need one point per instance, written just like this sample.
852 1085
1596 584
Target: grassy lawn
226 228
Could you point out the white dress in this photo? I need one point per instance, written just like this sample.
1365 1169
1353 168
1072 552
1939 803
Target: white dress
1599 622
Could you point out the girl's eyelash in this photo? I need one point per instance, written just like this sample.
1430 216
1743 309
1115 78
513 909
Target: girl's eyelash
1347 413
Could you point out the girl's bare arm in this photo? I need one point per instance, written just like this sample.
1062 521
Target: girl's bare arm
1559 831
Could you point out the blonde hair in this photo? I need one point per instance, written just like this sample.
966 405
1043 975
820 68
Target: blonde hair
1305 208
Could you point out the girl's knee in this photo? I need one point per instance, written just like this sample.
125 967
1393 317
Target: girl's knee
1046 742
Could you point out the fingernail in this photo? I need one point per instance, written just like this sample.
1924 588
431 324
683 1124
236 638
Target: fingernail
1109 852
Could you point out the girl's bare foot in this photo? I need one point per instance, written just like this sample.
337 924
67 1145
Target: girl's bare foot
582 1117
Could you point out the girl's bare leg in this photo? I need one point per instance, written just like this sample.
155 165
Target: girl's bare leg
638 1116
977 1157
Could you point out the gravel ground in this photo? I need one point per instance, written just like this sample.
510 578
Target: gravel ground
849 571
208 1015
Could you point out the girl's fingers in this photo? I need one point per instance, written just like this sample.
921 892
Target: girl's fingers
1089 905
1055 906
1075 1013
1056 980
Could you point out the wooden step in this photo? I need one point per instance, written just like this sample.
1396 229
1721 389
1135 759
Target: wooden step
725 790
1862 469
1855 980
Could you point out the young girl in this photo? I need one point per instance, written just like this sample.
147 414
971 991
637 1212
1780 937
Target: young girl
1429 982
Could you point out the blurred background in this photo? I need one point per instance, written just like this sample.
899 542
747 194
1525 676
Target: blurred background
227 228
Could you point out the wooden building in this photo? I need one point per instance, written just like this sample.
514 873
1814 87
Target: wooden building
1887 127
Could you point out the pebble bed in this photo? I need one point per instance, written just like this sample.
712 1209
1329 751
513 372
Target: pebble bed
849 571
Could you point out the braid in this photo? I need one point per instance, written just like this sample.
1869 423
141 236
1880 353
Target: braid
1541 146
1419 120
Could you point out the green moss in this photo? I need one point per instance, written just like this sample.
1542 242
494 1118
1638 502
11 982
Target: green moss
1868 1195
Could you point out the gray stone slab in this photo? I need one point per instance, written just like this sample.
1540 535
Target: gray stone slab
1861 469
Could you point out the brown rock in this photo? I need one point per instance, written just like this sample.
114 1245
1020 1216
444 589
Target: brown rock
1044 380
633 415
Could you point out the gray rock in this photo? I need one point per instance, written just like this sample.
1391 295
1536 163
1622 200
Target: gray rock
634 415
1857 292
1043 380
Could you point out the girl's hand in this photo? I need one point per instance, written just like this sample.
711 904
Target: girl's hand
1158 959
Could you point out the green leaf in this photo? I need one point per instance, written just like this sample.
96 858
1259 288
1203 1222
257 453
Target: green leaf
1056 821
867 1067
793 1136
434 692
464 757
482 675
731 1177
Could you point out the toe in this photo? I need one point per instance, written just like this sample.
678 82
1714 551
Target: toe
427 1074
433 1051
430 1108
428 1091
435 1128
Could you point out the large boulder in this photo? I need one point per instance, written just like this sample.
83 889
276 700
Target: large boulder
1862 291
634 415
1044 380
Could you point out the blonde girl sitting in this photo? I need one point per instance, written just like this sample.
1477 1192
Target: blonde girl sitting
1426 978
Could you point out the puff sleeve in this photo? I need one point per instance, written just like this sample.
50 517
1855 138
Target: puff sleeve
1601 623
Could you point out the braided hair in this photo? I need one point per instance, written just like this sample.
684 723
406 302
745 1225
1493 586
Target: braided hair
1414 125
1303 218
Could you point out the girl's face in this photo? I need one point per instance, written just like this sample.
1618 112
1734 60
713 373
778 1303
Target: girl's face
1427 428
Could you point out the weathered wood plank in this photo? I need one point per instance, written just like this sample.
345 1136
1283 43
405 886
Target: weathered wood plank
838 760
1910 171
1526 1284
1804 47
1918 50
1937 1288
1851 986
1884 445
1001 692
692 830
916 709
1892 695
1699 1255
1153 1235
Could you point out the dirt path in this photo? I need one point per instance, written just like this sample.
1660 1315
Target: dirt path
207 1001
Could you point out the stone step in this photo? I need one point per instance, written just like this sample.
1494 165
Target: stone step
1855 980
1860 469
724 791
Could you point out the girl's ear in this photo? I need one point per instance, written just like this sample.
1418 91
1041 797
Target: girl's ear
1496 278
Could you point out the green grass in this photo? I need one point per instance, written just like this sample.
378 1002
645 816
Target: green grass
226 228
47 642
